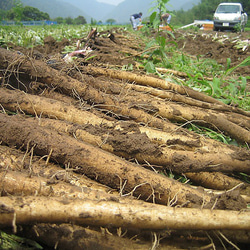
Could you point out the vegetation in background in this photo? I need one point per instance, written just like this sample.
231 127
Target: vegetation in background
155 48
110 21
203 11
15 11
7 4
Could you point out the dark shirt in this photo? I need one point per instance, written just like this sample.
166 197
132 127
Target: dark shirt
136 16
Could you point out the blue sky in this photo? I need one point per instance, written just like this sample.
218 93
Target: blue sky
115 2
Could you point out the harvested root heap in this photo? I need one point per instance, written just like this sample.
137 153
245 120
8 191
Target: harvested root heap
83 144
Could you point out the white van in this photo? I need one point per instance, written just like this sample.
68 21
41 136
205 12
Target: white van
230 16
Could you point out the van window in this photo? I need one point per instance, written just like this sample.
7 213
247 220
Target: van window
228 9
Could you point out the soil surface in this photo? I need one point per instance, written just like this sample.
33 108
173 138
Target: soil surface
117 49
206 44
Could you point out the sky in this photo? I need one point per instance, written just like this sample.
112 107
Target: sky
115 2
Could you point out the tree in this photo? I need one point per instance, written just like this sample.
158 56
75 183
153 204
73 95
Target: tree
69 20
7 4
80 20
27 13
2 14
31 13
16 13
59 20
110 21
93 21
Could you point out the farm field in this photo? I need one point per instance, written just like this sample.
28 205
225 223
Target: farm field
104 146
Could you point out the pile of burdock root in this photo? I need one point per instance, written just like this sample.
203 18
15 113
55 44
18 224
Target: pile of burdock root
88 151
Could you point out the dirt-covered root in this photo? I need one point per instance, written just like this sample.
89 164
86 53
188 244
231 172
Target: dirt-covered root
170 96
108 169
41 72
21 183
137 215
218 181
24 173
29 165
68 236
218 116
229 126
19 101
60 107
74 237
181 153
131 144
149 81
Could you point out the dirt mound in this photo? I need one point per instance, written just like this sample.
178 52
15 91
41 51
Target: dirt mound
217 46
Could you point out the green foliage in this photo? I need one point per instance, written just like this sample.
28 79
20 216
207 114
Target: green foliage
228 90
2 15
245 177
16 12
244 63
59 20
211 134
93 21
110 21
69 20
156 51
34 35
31 13
156 47
7 4
20 13
11 241
80 20
159 5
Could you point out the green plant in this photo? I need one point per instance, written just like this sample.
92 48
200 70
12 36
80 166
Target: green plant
244 63
160 6
157 46
11 241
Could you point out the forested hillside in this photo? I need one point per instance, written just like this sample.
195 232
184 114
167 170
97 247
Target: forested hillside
57 8
123 11
96 10
6 4
184 11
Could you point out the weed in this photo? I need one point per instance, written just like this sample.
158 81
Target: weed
11 241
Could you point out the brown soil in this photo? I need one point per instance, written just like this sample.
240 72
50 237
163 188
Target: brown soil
112 49
205 44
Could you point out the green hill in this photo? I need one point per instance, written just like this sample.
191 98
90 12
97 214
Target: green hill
56 8
100 11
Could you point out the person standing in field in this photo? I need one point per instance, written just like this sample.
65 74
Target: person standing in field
166 18
133 20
